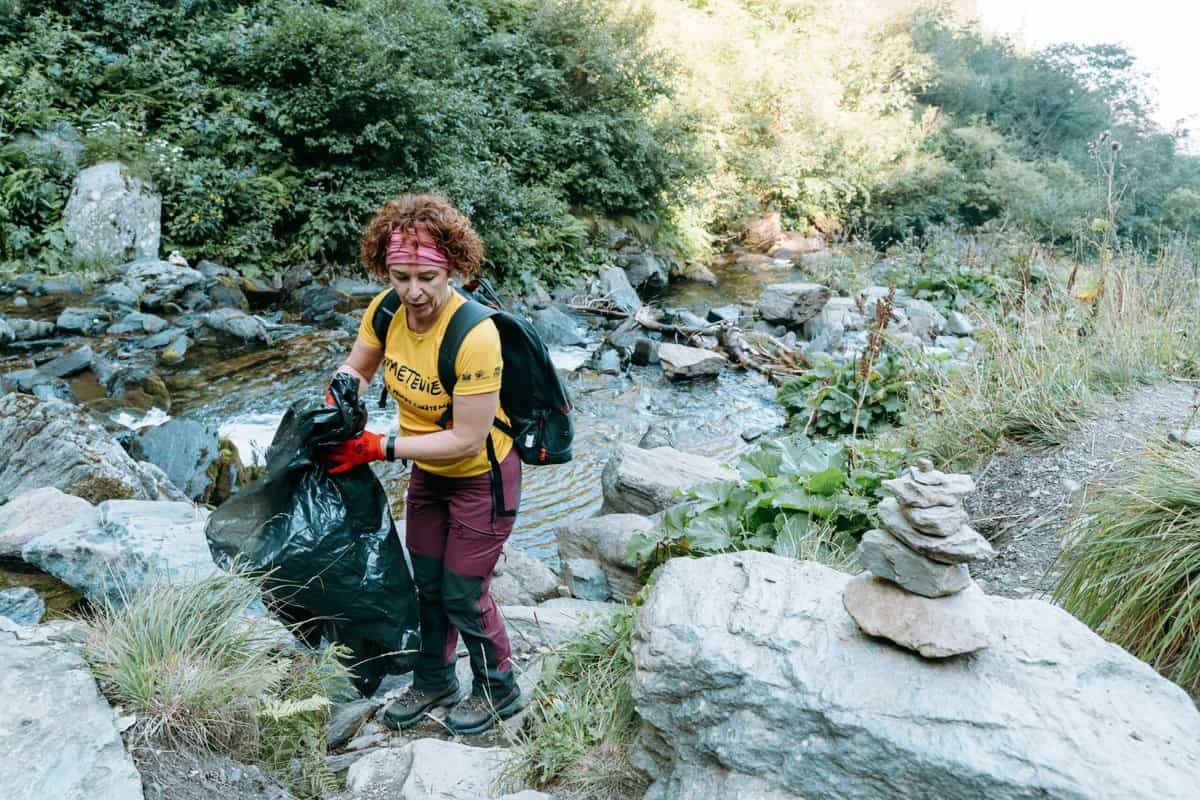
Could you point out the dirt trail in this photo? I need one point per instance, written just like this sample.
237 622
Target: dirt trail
1026 496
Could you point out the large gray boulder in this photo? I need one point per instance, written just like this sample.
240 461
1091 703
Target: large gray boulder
557 328
112 215
160 282
605 539
613 284
32 513
763 681
520 579
641 481
52 443
645 270
58 735
792 303
187 451
428 769
129 544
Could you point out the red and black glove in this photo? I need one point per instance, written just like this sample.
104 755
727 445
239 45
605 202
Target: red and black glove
362 449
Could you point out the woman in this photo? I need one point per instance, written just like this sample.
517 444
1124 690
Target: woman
454 533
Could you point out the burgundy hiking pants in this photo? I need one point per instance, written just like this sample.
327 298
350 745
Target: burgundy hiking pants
455 534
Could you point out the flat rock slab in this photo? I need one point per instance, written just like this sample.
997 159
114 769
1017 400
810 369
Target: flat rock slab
58 735
532 628
934 627
912 492
963 547
126 545
886 556
681 363
32 513
764 675
427 769
643 481
936 520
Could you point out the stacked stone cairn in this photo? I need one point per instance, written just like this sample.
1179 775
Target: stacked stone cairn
919 593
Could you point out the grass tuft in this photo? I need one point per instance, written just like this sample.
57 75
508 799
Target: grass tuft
1131 565
583 719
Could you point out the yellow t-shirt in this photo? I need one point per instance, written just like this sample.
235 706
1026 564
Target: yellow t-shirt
411 376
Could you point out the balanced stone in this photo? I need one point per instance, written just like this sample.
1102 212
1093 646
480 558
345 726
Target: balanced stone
887 557
936 520
934 627
911 492
961 547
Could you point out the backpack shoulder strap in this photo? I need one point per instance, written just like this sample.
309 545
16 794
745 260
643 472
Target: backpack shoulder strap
465 318
381 322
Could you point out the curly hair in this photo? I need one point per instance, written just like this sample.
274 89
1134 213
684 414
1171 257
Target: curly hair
448 226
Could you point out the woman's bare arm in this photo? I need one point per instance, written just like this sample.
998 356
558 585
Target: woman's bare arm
362 363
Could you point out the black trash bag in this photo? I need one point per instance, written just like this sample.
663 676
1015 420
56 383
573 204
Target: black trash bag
336 566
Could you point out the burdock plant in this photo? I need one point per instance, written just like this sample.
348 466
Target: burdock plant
1131 569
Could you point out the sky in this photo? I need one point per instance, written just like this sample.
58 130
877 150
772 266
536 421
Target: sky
1162 34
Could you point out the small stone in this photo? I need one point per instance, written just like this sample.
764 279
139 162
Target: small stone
958 324
22 605
912 493
680 362
586 579
961 547
68 364
175 351
729 313
936 520
934 627
887 557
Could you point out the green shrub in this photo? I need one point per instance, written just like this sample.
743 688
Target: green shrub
826 398
583 718
198 673
795 497
1131 560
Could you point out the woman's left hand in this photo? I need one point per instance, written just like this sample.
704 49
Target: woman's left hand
362 449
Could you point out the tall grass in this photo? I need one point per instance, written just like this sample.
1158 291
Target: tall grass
1131 568
1046 363
199 674
583 719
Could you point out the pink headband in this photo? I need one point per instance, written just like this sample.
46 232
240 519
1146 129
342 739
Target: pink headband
414 245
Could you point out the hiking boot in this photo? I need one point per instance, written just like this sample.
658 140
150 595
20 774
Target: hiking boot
478 712
413 704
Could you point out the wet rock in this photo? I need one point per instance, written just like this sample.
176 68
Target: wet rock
772 660
137 322
60 738
427 768
317 303
648 481
139 388
261 293
687 319
161 281
117 297
174 352
7 334
112 216
887 557
645 352
520 579
31 329
606 540
239 324
557 328
32 513
20 301
645 270
532 628
213 271
128 544
357 288
163 338
613 284
729 313
792 303
68 364
657 434
625 337
680 363
225 295
87 320
22 605
586 580
934 627
608 362
195 300
295 277
20 380
52 443
347 718
187 451
958 324
53 389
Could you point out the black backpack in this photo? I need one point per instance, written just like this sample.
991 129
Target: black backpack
531 393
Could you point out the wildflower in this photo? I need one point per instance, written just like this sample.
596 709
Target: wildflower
195 217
